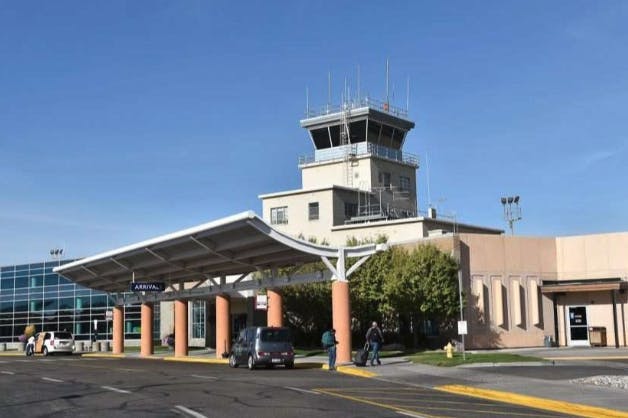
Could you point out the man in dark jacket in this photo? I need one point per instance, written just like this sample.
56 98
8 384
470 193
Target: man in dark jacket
375 338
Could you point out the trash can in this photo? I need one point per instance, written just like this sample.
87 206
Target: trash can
548 341
104 346
95 346
597 336
78 346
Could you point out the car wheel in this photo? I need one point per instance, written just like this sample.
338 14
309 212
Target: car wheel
289 365
232 361
45 351
251 362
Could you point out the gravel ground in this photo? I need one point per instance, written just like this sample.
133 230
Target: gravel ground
619 382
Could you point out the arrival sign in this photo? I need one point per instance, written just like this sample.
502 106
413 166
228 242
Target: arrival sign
147 287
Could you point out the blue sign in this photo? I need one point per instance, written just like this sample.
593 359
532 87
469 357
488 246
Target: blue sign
148 287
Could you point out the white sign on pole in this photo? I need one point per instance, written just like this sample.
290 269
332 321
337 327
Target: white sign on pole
108 315
261 302
462 327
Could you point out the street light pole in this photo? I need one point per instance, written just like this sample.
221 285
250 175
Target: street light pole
512 211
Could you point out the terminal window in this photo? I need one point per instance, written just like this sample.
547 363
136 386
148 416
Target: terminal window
313 211
279 215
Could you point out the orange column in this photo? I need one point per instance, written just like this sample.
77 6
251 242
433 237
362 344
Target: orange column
274 315
180 328
223 328
118 330
341 313
146 339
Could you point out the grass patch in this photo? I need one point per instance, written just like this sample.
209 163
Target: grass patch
439 358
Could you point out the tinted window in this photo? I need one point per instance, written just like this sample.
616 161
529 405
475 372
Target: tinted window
275 335
63 335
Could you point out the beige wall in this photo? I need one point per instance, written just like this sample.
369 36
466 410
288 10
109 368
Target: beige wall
298 212
335 173
592 256
502 279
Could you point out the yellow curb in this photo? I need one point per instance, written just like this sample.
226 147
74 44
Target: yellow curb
197 360
534 402
354 371
103 355
12 354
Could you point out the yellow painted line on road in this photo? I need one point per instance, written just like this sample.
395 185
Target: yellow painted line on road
534 402
366 401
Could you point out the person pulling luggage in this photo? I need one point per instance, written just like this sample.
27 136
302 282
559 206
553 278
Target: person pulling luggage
374 339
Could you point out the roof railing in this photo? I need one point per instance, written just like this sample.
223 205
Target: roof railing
356 104
359 150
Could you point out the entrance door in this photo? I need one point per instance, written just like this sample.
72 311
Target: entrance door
577 329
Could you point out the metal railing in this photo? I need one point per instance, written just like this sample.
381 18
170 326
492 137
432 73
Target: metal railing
356 104
359 150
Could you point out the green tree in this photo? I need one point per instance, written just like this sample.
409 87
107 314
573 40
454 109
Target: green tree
423 284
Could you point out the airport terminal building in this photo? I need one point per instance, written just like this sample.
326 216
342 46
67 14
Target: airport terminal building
520 291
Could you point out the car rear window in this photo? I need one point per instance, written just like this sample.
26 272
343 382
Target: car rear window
281 335
63 335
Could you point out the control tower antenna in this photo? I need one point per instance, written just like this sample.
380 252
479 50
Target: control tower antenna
358 92
408 94
307 101
328 91
387 78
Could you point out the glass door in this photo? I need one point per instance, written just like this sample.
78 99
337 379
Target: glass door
577 327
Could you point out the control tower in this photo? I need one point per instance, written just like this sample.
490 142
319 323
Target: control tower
358 173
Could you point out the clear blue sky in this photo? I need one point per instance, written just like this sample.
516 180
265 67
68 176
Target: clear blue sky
121 121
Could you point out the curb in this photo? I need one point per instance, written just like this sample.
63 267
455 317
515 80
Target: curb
532 401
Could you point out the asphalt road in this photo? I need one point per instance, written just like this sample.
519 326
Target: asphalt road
80 387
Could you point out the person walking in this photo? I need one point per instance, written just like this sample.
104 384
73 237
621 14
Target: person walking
329 343
374 338
30 346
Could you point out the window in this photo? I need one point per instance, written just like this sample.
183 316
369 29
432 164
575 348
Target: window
198 319
313 211
279 215
351 210
404 183
384 179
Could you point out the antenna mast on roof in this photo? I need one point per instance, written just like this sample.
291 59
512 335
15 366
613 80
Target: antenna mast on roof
408 95
358 93
328 91
387 94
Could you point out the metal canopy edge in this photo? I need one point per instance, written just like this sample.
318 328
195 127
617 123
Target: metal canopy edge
234 245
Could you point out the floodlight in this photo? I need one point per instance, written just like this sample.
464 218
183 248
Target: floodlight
503 200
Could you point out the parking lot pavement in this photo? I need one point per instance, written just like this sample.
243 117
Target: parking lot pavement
562 382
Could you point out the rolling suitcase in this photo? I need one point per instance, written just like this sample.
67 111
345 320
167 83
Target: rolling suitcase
361 356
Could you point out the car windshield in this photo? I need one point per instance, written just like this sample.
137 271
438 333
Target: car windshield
275 335
63 335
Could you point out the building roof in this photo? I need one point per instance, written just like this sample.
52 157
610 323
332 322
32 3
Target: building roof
237 244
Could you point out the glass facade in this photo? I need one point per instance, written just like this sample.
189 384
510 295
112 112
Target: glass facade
31 294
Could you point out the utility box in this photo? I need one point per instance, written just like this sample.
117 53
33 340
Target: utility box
597 336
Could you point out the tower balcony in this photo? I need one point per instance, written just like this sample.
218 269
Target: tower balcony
362 149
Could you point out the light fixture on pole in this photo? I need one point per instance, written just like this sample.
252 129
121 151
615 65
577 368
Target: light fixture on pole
56 253
512 211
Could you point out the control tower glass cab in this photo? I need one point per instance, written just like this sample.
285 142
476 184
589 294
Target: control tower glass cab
359 146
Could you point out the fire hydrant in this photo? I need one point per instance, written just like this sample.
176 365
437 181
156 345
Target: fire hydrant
449 349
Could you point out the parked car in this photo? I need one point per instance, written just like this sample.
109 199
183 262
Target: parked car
51 342
268 346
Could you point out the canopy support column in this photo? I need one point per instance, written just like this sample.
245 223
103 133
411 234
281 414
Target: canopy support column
180 328
118 330
146 337
275 308
223 328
